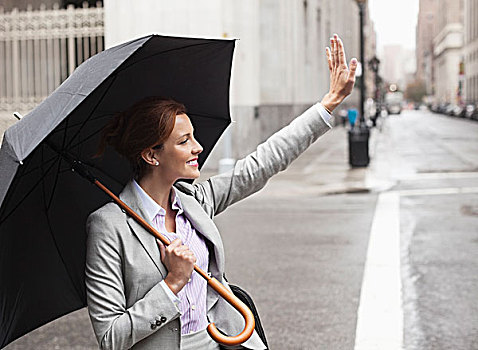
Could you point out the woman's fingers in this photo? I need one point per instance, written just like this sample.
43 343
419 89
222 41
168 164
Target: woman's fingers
178 249
162 249
329 58
337 51
189 255
353 67
334 53
176 243
341 52
342 78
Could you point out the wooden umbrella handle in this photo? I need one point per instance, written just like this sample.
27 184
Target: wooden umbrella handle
213 282
239 306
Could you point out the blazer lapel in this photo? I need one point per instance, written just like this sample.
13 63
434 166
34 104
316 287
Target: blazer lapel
147 240
203 224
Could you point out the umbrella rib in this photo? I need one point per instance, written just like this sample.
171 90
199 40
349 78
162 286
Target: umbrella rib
58 168
22 172
92 111
12 317
58 130
54 184
50 231
26 195
85 139
29 171
99 170
106 174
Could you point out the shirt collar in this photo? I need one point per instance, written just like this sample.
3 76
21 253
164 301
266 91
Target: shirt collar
151 207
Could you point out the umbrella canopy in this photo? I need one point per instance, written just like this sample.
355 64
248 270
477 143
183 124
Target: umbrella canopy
44 205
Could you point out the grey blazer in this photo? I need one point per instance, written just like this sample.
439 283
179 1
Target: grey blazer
127 305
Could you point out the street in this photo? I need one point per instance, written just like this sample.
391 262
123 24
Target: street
300 246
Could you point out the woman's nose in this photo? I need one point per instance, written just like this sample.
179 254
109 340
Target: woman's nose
197 147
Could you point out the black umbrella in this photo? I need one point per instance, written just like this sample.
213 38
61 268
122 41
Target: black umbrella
44 204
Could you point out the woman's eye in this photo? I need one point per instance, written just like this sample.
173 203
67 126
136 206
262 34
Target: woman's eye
183 141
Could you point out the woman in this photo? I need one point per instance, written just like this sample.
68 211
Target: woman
144 295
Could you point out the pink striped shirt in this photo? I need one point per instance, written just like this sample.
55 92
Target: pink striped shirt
192 298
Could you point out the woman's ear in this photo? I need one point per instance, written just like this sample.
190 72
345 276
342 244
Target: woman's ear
149 156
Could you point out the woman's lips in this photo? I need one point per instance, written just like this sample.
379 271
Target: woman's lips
193 162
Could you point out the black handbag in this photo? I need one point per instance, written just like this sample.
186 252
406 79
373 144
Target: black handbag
246 299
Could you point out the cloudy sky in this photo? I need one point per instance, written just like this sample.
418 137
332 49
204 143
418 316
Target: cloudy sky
395 21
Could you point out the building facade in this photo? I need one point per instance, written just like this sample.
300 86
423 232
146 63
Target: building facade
447 51
370 52
398 65
471 51
426 31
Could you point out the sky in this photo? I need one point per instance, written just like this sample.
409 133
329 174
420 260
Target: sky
395 22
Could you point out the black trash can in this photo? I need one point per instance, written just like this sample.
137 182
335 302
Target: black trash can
358 147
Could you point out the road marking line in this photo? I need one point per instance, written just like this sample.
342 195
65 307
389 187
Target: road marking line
380 314
438 191
440 176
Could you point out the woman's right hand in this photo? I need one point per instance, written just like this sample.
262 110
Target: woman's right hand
179 262
342 79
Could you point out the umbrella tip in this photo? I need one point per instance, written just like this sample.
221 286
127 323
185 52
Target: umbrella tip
17 115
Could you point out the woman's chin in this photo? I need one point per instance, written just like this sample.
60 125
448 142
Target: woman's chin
192 175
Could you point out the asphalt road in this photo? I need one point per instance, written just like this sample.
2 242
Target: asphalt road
300 245
439 229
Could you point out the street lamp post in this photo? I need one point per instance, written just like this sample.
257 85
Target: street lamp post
373 64
359 136
361 4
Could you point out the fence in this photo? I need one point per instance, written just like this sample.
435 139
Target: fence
39 49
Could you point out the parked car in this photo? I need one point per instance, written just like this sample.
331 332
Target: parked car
433 107
393 102
469 110
442 107
458 111
449 109
474 114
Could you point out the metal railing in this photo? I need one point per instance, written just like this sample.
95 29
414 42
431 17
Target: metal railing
40 49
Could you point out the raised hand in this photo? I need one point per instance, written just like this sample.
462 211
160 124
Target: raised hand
342 79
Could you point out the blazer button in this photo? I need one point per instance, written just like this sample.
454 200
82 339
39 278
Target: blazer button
163 319
158 323
153 326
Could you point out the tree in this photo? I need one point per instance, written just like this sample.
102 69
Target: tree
415 91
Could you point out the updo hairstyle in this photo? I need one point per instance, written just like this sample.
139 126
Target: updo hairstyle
148 123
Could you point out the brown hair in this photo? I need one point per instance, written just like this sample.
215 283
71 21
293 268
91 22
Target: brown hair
147 123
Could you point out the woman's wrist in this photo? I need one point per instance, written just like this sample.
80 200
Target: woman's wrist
175 284
330 102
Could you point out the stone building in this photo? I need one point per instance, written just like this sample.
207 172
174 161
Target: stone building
398 65
448 44
426 31
471 50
